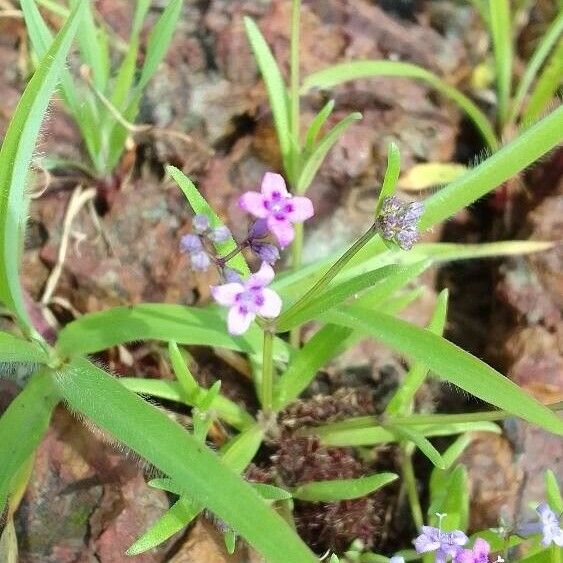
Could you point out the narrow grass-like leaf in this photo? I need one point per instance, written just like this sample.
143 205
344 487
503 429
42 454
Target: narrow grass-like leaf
547 85
241 450
163 443
391 176
546 43
13 349
275 85
141 10
355 70
402 400
307 362
186 380
342 489
553 493
15 157
508 161
200 206
501 32
269 492
158 42
421 443
159 321
314 161
22 426
316 125
452 364
452 499
225 409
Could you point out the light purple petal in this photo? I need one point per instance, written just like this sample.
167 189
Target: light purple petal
220 234
273 184
239 319
558 538
262 277
302 209
481 547
282 230
200 223
253 203
397 559
190 243
458 538
232 276
425 543
226 294
272 304
200 261
544 511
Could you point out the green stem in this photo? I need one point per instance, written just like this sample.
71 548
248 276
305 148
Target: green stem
409 481
294 69
267 385
297 252
331 273
555 554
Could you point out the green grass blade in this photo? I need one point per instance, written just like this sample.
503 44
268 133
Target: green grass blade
452 499
546 87
451 363
225 409
159 321
15 157
307 362
491 173
166 445
402 400
421 443
501 31
159 41
22 426
342 489
391 176
275 86
316 126
141 10
13 349
200 206
549 39
553 492
183 374
344 72
317 157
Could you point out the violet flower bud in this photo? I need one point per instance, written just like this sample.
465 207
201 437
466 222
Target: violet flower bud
200 261
231 276
397 221
219 234
190 244
258 229
200 223
266 252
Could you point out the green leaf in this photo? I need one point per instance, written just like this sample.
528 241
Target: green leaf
314 161
277 92
316 126
186 380
13 349
163 443
451 499
141 10
508 161
501 32
269 492
22 426
225 409
159 321
240 451
355 70
200 206
158 42
402 400
342 489
546 87
391 176
546 43
553 493
15 157
421 443
452 364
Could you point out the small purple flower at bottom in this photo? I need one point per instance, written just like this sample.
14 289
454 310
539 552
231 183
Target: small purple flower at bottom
248 299
397 221
548 526
479 553
445 544
278 207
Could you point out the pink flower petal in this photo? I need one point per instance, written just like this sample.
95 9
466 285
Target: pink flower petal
272 184
253 202
226 294
239 319
272 304
302 209
262 277
282 230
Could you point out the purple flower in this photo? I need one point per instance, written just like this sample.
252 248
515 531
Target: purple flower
548 526
200 223
397 221
248 299
193 247
278 207
397 559
219 234
443 543
231 275
266 252
479 553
